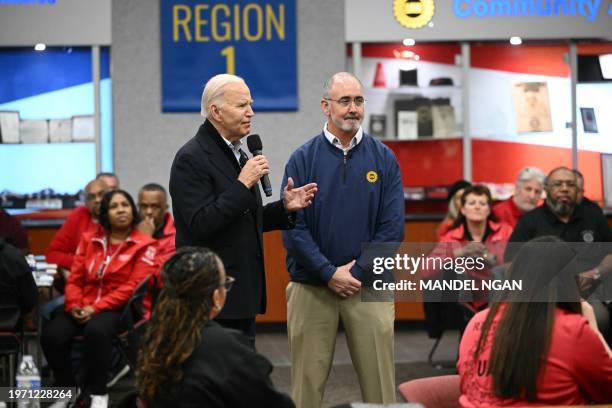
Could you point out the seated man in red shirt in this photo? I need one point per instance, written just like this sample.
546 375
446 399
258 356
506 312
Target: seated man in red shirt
81 220
156 221
13 232
527 194
111 180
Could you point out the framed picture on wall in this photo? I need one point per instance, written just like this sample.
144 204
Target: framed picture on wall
407 125
606 178
443 118
589 123
9 127
532 107
378 125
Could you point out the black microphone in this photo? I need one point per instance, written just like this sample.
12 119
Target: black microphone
255 147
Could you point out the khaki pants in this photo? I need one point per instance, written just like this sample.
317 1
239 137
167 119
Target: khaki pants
312 323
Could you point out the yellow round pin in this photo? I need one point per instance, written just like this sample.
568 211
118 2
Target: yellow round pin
371 176
413 13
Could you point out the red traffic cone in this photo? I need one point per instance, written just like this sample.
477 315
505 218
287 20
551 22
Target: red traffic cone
379 77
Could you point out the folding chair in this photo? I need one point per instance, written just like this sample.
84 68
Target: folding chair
11 340
135 316
439 392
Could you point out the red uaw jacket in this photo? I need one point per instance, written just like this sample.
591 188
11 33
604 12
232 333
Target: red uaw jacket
165 249
66 241
106 283
507 211
495 243
165 241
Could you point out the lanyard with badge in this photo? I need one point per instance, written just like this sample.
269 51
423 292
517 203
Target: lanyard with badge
109 255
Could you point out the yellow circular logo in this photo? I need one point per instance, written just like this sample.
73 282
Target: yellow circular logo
413 13
372 177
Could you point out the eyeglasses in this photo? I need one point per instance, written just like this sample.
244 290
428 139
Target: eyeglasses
229 282
559 183
346 101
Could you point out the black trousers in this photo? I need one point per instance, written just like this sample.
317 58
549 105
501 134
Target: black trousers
98 334
247 326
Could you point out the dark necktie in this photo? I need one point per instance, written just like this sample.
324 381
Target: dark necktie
243 158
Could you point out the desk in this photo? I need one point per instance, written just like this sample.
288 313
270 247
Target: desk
41 226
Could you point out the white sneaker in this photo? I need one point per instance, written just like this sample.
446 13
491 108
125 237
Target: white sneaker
99 401
59 404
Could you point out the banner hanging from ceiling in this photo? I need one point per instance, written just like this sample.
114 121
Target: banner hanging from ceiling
254 39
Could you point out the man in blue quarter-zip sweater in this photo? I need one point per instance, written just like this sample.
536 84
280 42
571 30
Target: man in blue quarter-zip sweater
360 200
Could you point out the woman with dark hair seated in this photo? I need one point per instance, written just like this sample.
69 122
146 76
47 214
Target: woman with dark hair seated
107 268
540 345
189 360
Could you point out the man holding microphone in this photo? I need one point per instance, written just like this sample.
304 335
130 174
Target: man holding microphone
216 201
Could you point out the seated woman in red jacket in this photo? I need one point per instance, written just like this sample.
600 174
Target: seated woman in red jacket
539 346
107 268
475 235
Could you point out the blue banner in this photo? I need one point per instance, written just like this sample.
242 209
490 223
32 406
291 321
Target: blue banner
254 39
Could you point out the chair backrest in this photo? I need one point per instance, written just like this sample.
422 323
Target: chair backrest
135 317
9 317
137 306
433 392
12 265
135 309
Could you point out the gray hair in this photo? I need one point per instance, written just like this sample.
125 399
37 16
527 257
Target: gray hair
530 173
331 80
214 89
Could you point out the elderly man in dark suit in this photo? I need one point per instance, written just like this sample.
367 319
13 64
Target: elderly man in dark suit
216 201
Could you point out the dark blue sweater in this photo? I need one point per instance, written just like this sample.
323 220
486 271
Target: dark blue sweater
360 199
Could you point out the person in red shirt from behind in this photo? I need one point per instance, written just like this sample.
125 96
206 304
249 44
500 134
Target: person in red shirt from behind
539 346
527 193
107 268
156 221
81 220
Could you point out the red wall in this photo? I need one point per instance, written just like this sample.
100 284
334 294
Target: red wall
440 162
538 59
429 163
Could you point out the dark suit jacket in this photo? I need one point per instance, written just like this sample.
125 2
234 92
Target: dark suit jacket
213 209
